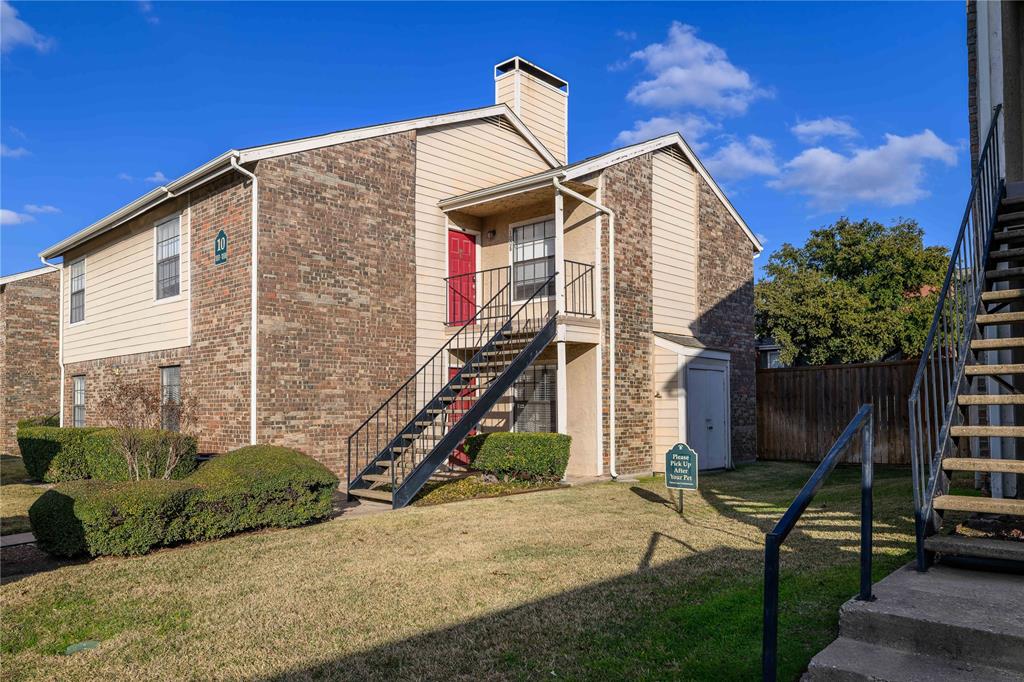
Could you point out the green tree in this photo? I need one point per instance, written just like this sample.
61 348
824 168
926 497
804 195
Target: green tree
854 292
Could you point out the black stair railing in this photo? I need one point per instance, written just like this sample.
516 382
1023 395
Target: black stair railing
579 289
932 405
863 424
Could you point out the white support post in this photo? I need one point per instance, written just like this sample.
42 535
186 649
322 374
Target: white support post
562 374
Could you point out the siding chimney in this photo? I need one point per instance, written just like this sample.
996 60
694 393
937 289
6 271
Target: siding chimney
539 98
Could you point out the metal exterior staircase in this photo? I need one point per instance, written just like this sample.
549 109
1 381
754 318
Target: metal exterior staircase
959 361
401 446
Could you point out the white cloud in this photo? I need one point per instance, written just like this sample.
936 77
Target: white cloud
157 177
761 237
626 35
146 8
18 131
890 174
41 208
14 32
125 177
692 127
810 132
9 217
688 71
13 152
741 159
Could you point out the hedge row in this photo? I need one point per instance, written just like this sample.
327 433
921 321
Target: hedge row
253 487
527 456
54 455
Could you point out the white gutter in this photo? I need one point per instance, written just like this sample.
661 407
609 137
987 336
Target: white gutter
60 333
254 297
611 313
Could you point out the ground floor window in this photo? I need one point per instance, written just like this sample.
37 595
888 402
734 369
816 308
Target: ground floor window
170 398
534 400
78 401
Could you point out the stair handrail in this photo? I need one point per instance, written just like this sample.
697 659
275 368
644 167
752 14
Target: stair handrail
932 406
862 423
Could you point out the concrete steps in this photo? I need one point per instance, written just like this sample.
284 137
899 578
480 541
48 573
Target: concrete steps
1004 294
1010 466
1000 318
990 399
996 344
946 624
985 548
979 505
990 370
988 431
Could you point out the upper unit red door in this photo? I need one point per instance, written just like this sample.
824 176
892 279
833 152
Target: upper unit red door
461 282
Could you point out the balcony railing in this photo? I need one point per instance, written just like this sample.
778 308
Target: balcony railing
465 293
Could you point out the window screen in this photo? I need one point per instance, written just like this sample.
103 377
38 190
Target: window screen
78 401
170 398
78 291
534 400
168 270
533 258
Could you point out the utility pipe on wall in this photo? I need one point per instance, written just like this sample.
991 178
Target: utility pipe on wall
60 333
253 298
559 187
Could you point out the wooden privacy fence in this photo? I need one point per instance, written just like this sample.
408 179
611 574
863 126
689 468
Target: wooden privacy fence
802 410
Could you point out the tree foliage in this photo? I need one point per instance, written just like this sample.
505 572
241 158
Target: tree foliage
854 292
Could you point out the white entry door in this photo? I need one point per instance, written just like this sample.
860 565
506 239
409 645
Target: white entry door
707 409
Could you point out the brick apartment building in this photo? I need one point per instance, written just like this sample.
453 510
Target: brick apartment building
293 287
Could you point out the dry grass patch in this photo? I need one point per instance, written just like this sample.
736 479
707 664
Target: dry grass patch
600 581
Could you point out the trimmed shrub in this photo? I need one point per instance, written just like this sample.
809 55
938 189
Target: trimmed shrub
106 463
104 518
52 420
256 487
53 454
527 456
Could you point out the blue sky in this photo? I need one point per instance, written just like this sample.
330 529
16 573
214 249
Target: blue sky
804 112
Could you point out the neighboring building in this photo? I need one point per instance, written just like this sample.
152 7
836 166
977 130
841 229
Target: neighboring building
769 353
29 351
374 245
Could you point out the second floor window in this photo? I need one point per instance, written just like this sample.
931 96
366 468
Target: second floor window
168 259
533 258
78 290
78 401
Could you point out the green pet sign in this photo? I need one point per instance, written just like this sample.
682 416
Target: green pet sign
220 248
681 470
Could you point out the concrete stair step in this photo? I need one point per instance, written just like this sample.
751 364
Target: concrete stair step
1008 235
1003 294
366 493
973 617
986 548
999 317
989 370
1006 254
1010 466
848 660
980 505
1008 273
996 344
997 399
1011 217
988 431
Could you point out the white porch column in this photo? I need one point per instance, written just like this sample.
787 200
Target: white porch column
562 375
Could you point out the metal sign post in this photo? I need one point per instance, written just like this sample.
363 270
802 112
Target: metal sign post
681 470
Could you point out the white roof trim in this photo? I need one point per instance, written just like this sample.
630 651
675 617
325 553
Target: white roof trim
501 191
25 275
689 351
305 144
222 164
676 139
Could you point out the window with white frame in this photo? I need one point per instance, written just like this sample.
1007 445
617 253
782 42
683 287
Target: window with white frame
78 401
170 398
168 258
534 400
533 258
78 290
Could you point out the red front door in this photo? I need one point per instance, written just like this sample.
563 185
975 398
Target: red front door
461 282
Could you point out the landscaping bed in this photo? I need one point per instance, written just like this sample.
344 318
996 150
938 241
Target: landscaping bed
475 487
602 581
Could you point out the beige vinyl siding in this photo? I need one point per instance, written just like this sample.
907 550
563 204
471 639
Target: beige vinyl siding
505 90
452 160
667 366
543 110
674 248
122 315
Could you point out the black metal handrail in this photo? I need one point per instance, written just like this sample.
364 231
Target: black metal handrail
863 423
463 291
932 403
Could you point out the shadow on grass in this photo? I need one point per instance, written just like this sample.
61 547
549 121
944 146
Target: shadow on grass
697 617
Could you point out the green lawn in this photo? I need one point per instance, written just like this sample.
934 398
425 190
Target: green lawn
602 581
16 496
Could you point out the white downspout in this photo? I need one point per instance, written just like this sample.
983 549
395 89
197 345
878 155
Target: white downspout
254 298
559 187
60 332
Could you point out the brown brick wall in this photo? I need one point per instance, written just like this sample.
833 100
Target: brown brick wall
337 309
29 353
216 367
726 310
627 191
